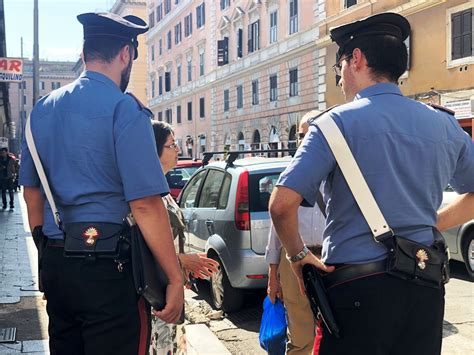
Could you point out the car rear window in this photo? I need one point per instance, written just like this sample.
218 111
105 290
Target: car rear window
260 189
178 177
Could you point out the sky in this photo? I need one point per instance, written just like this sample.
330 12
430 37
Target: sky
60 34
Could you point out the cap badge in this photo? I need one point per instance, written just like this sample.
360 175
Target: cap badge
422 256
90 235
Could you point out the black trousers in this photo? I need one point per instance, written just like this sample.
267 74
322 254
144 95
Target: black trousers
7 185
92 307
383 315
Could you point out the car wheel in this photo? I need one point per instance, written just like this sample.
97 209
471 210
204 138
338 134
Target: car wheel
223 295
468 254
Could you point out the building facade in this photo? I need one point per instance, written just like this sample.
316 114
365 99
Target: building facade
232 74
52 76
440 69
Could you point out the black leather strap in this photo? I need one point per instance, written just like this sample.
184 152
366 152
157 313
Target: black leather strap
350 272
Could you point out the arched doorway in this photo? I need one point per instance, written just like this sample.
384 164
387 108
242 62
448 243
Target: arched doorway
256 140
292 138
241 141
273 141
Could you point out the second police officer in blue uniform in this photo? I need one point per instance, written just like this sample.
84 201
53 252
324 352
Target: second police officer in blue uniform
98 150
408 152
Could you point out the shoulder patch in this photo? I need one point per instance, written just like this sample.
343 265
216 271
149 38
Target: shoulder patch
141 105
318 114
442 108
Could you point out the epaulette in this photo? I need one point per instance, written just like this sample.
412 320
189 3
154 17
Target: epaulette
442 108
142 106
317 115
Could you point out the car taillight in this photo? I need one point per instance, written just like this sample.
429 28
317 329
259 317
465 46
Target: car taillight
242 214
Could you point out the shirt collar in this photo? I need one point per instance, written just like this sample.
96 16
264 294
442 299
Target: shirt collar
98 76
378 89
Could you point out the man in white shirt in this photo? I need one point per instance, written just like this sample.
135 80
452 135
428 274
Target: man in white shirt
281 280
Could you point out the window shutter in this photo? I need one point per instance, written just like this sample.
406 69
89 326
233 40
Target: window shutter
167 81
250 39
203 19
222 51
466 33
239 42
456 47
190 22
257 34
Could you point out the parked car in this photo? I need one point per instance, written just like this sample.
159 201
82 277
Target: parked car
226 211
460 239
179 176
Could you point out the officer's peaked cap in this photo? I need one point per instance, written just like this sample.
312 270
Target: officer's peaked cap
387 23
107 24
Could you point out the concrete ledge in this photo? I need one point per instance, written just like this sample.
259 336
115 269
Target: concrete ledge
200 340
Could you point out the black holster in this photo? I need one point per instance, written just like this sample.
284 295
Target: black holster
40 241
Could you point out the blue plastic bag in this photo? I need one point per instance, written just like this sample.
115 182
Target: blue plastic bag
272 335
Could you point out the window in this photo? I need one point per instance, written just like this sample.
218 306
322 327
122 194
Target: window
200 16
349 3
225 4
190 67
22 85
153 88
201 64
240 96
223 51
168 81
55 85
188 25
294 82
42 85
255 92
462 34
169 116
178 114
240 42
293 16
201 107
226 100
178 75
211 188
273 26
152 54
24 99
254 36
190 111
189 197
151 19
168 40
160 116
177 33
273 88
159 12
160 85
167 6
160 45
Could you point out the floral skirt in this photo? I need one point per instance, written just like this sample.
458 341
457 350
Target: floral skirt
166 338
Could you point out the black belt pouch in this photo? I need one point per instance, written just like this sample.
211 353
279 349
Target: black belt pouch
40 241
425 265
96 239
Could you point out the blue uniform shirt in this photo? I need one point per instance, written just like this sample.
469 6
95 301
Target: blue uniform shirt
408 152
98 151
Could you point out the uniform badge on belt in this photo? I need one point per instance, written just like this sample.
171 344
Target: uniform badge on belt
90 235
422 256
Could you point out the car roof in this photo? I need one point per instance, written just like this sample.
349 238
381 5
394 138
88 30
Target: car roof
255 163
187 163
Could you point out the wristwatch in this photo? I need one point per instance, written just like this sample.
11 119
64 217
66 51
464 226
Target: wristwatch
299 256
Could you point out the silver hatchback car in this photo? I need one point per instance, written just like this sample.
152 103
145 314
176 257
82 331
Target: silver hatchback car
226 211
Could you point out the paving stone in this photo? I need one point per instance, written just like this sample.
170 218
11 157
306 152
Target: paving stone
14 348
31 346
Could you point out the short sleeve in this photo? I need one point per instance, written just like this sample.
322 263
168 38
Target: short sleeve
136 154
273 249
28 175
311 164
463 178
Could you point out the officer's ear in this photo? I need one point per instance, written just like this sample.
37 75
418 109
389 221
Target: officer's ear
125 54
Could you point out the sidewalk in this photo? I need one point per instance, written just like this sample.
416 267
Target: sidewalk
21 304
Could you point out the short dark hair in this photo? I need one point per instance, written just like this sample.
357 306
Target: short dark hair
386 55
161 130
103 49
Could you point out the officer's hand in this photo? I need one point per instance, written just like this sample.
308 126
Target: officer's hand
174 303
308 259
274 288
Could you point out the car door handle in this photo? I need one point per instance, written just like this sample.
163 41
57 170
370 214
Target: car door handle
210 226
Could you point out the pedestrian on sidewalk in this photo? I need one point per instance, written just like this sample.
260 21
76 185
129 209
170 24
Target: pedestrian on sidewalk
282 282
169 338
408 152
97 147
7 175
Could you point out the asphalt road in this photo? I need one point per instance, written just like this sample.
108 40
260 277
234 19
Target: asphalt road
239 331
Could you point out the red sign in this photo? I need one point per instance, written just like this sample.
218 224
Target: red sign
11 70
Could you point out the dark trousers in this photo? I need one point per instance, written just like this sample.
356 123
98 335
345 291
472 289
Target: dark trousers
6 185
383 315
92 307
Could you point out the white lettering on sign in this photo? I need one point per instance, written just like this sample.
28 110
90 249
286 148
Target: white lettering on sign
11 70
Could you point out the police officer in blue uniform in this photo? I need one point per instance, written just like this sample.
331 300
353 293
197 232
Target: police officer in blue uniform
408 152
98 151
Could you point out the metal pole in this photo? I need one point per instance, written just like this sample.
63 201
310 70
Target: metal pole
35 54
22 103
